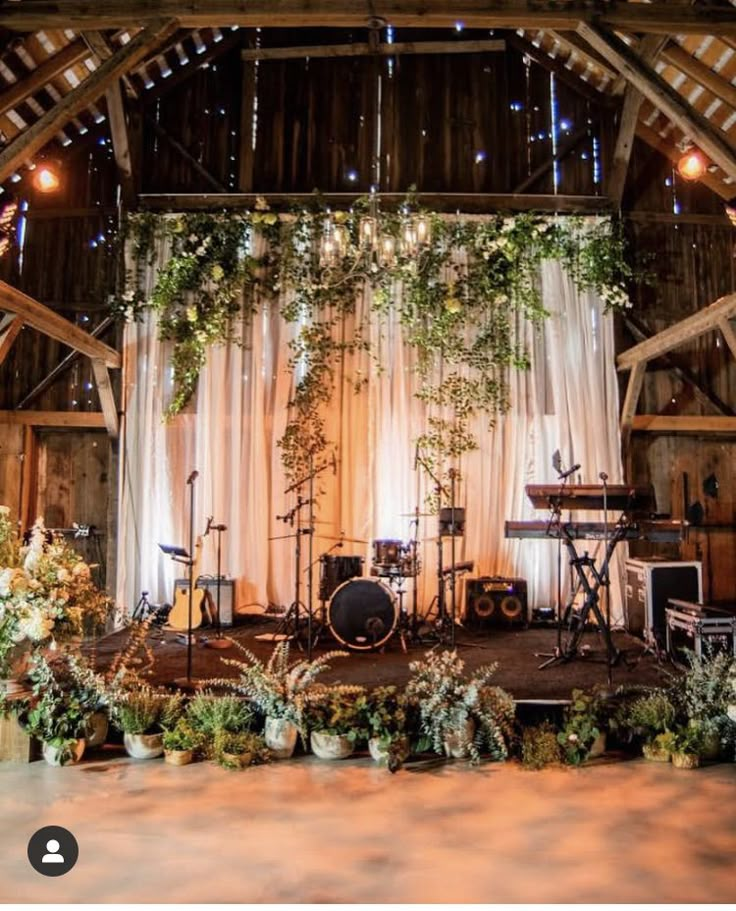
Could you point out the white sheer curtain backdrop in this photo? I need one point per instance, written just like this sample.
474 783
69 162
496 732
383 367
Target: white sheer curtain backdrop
568 400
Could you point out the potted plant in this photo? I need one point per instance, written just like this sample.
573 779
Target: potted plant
687 746
459 715
180 742
581 736
703 693
540 747
333 715
236 750
58 711
143 715
278 690
652 717
384 716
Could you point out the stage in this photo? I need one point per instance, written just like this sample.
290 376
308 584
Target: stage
514 650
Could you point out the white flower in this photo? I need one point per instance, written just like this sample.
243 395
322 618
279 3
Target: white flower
81 570
36 626
4 510
63 574
6 577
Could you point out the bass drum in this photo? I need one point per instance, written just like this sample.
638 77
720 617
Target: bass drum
362 614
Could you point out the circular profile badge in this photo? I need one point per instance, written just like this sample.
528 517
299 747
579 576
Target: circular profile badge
53 851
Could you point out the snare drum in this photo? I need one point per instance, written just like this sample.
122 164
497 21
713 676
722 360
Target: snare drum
363 614
334 570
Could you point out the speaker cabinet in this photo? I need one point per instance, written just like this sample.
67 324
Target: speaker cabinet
495 601
649 586
227 595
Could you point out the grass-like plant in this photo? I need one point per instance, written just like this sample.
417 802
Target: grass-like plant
147 711
210 713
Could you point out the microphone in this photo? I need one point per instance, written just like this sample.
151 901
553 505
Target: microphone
192 477
603 476
570 471
209 525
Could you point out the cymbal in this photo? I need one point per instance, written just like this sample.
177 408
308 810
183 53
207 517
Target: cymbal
413 515
342 538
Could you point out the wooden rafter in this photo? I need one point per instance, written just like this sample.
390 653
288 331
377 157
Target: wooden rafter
67 57
10 326
649 50
573 43
683 423
700 73
378 50
87 92
83 419
55 326
705 320
662 95
659 17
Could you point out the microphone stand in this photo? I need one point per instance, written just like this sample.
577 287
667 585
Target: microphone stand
190 572
607 578
219 642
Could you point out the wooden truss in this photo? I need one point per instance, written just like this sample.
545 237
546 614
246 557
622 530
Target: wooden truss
22 310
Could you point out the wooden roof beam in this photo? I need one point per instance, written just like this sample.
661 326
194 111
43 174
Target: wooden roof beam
10 326
663 96
379 50
705 320
700 73
658 17
45 72
55 326
88 420
43 130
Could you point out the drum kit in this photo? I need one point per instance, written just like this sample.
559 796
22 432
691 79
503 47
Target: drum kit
363 612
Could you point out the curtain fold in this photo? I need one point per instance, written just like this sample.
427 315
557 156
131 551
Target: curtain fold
568 400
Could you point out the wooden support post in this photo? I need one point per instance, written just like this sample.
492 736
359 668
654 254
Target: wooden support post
10 326
45 128
728 334
662 95
107 398
633 391
649 50
247 113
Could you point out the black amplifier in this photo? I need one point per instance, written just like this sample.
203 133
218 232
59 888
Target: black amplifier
495 601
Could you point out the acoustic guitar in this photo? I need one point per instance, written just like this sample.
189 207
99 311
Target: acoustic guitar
179 614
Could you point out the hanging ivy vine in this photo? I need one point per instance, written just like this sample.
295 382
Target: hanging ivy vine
461 297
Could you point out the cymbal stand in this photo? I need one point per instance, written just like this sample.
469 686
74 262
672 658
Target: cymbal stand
453 579
441 621
414 542
606 583
291 622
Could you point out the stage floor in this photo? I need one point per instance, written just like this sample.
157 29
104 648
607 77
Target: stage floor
515 651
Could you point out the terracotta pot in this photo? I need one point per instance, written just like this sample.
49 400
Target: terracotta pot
280 736
238 760
330 746
144 746
685 760
53 755
96 730
457 742
654 753
380 753
598 747
178 757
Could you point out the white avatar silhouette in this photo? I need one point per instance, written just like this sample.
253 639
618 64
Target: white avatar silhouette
53 857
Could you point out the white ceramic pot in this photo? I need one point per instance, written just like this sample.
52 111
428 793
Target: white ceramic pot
96 730
457 742
280 736
330 746
178 757
144 746
379 753
53 755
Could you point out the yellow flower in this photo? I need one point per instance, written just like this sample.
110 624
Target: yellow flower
271 218
192 314
218 273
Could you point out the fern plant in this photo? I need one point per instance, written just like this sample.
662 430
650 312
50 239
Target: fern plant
209 713
276 688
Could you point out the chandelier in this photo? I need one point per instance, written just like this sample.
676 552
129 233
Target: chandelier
379 240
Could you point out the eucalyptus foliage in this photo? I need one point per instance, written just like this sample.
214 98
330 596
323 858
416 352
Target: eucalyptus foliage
461 299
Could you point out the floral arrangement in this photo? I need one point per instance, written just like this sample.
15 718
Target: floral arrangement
465 286
47 595
447 699
581 727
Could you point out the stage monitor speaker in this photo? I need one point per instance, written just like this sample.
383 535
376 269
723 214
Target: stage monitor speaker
494 601
227 595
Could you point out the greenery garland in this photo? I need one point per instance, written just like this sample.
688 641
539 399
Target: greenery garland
461 298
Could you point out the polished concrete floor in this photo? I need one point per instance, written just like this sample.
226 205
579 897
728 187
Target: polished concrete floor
306 831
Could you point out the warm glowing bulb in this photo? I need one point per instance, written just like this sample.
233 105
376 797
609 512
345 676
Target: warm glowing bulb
46 180
691 166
